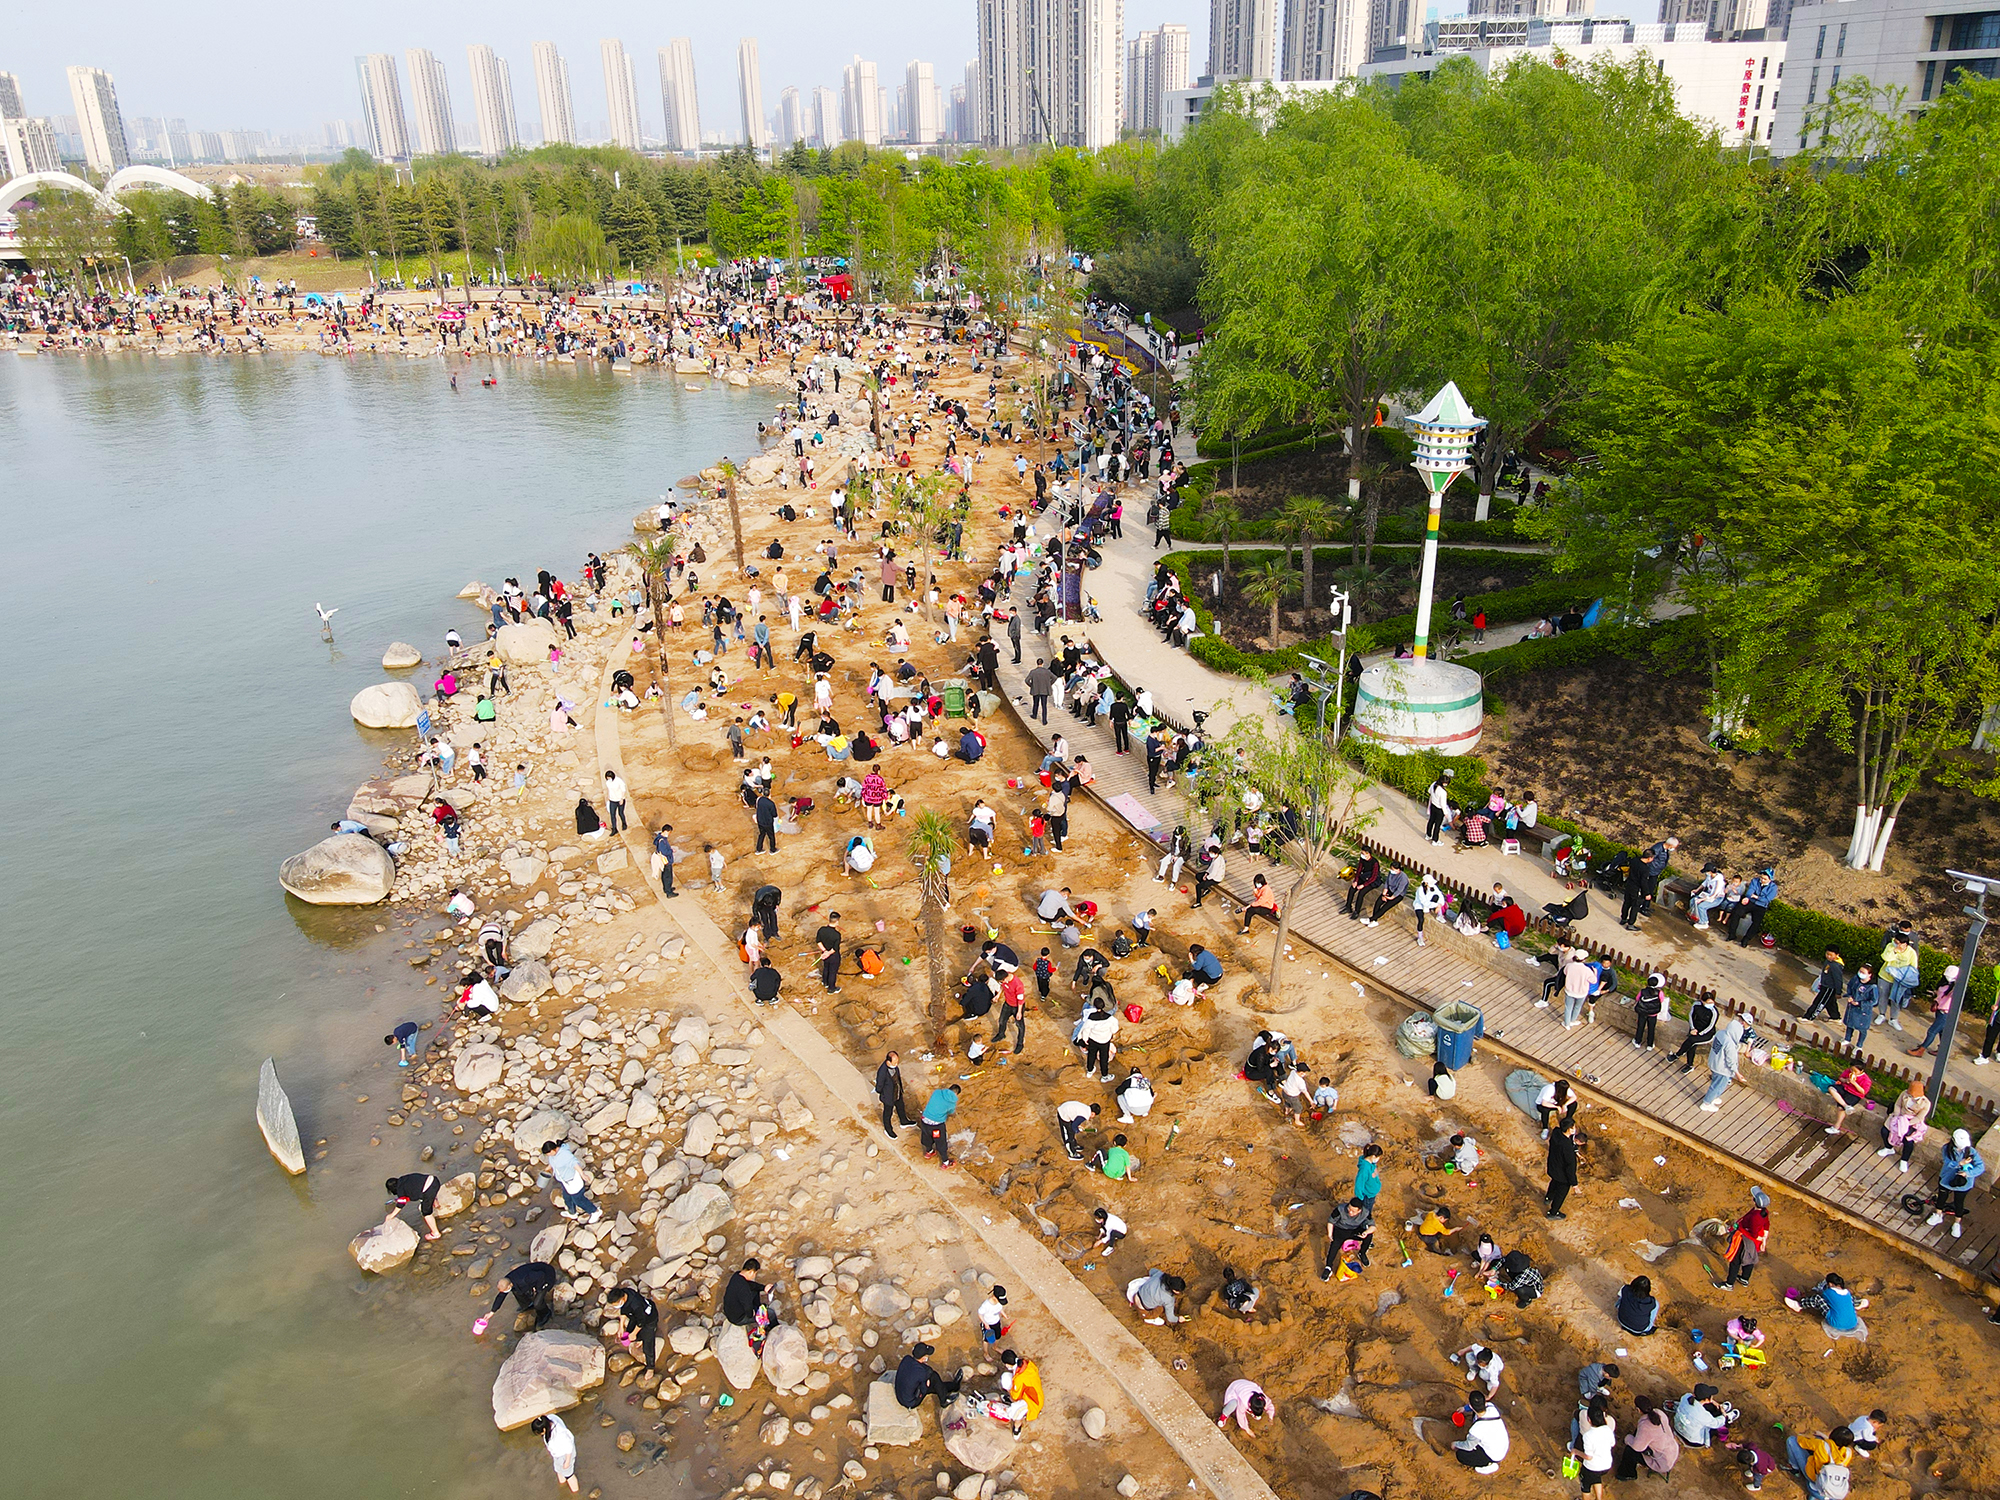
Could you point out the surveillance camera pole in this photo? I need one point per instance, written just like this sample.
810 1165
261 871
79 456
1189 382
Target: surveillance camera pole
1976 886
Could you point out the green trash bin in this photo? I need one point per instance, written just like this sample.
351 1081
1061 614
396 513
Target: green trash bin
954 701
1458 1026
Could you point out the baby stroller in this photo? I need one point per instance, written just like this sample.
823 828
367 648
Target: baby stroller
1572 863
1565 913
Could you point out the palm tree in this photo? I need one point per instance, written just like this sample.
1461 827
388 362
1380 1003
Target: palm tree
930 846
655 556
1223 517
1268 583
1310 516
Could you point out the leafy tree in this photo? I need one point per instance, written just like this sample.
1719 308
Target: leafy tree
567 247
1298 770
1324 284
632 228
65 234
1153 272
1815 482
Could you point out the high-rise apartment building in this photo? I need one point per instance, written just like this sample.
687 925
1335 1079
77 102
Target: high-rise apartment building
28 144
1325 39
382 107
677 95
11 107
99 122
1156 63
826 131
621 94
750 93
552 96
791 120
1050 70
493 100
921 123
860 103
430 103
1243 39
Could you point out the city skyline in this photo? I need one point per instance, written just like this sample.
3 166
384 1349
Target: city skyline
227 77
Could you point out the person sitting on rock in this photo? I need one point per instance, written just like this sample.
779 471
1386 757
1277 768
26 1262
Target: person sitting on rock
915 1379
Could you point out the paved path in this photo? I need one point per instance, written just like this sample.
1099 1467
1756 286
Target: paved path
1159 1398
1765 1134
1774 982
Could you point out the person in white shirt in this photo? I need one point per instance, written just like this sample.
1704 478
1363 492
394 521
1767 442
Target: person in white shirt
1071 1116
1135 1097
615 795
1244 1400
481 998
561 1444
1110 1230
459 906
993 1324
1597 1441
1481 1363
1485 1442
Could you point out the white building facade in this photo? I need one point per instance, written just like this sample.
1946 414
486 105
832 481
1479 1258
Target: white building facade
100 122
430 104
382 107
552 96
621 94
1893 44
493 101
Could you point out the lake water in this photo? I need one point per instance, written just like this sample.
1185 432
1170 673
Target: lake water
185 1319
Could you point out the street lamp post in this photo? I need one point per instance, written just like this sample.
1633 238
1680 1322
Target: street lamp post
1343 609
1975 886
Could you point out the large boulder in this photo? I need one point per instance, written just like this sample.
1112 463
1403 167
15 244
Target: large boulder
523 868
383 1247
530 980
477 1067
386 705
544 1374
542 1125
689 1339
787 1357
690 1219
389 798
457 1194
379 825
890 1424
642 1112
884 1299
524 644
535 940
610 1117
738 1362
702 1131
344 869
401 656
980 1443
736 1176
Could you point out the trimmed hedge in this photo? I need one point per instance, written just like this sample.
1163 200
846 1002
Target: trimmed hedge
1527 601
1261 445
1189 525
1810 933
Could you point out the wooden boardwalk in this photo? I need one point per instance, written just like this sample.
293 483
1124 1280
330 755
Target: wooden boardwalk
1767 1136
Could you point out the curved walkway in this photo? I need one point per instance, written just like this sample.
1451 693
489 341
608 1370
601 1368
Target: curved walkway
1171 1411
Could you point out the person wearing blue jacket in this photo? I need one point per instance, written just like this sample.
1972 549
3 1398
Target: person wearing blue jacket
1757 898
1862 994
1961 1168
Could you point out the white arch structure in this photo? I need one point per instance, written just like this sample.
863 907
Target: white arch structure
121 181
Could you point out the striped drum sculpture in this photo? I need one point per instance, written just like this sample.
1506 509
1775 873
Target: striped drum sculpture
1421 703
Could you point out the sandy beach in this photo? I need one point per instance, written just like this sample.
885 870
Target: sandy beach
867 1261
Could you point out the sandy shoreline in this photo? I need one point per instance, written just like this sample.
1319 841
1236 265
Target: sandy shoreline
1237 1188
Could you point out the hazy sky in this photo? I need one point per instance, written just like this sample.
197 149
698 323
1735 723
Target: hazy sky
256 67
